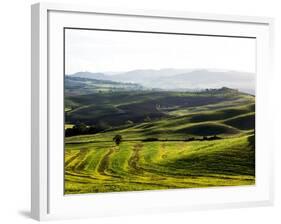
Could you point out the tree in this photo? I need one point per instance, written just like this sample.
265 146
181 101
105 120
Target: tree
80 128
69 132
117 139
92 130
204 138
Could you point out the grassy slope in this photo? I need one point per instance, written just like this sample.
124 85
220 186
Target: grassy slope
198 123
116 109
103 167
95 164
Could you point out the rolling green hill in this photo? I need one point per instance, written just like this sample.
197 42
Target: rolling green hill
115 109
169 139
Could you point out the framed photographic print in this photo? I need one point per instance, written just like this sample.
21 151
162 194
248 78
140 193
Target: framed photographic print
138 111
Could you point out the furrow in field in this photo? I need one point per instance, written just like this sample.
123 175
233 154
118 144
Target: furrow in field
76 160
79 175
80 161
103 165
151 172
134 159
95 159
69 160
118 164
160 166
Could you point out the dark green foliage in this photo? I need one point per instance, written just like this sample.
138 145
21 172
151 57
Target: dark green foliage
214 138
204 138
82 129
150 139
117 139
189 139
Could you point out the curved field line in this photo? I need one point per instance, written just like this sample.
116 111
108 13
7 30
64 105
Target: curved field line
77 159
144 166
104 162
79 166
133 161
139 170
79 175
66 163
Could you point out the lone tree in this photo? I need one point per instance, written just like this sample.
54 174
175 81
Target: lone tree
117 139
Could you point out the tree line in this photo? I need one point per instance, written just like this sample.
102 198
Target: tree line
82 129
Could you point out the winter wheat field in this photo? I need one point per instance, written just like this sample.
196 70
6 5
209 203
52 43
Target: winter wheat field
152 111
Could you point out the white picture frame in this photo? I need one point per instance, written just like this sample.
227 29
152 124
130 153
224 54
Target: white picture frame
47 198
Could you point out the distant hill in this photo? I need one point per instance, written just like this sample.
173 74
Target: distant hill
147 75
202 79
83 86
90 75
181 79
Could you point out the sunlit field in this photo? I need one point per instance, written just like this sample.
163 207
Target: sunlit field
168 140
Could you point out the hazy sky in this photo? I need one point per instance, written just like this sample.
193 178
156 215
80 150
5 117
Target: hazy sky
103 51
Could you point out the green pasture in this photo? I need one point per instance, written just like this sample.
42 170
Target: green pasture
132 166
156 151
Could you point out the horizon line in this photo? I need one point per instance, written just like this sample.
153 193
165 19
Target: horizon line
159 69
